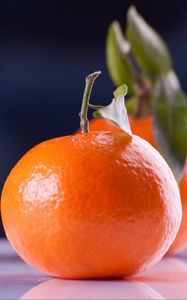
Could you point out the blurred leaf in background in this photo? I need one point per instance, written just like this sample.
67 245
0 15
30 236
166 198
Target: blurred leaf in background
171 122
117 63
149 48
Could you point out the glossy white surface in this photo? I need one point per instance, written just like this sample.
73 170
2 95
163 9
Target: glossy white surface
166 280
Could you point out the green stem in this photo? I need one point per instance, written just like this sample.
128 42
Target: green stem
90 79
93 106
142 87
143 95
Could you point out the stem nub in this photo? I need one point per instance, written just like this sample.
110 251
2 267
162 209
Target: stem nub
90 79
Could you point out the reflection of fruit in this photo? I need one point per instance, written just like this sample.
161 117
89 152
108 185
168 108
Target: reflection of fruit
91 205
63 289
143 127
168 277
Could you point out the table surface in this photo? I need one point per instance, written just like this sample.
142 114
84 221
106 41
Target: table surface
166 280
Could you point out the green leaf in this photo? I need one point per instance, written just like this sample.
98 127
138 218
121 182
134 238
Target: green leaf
118 67
170 126
150 49
120 92
116 110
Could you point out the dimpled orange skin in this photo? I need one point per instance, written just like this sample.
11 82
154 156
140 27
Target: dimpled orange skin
144 128
91 205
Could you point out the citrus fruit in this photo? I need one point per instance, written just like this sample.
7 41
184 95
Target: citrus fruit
181 239
91 205
143 127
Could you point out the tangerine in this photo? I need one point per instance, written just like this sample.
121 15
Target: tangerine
90 205
181 239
